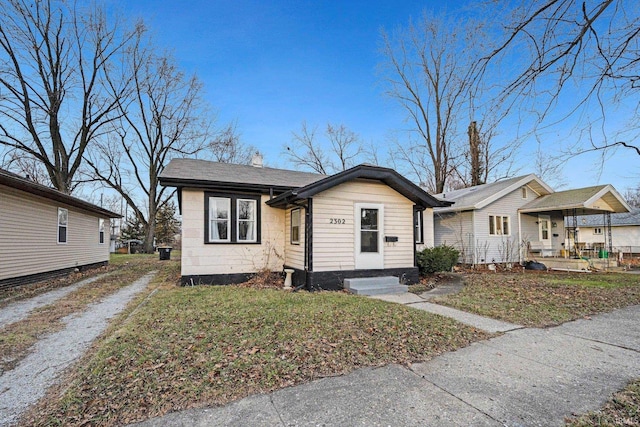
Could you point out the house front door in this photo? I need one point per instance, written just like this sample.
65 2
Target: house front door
369 231
544 229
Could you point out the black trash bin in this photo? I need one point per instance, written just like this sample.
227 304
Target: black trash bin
165 253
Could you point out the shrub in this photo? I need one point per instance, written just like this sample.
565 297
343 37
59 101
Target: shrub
440 258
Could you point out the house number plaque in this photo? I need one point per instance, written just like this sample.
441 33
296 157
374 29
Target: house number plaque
339 221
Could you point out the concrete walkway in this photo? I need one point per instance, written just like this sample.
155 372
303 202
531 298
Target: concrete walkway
420 302
526 377
24 385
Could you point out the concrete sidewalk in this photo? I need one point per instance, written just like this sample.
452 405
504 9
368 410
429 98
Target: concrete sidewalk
526 377
486 324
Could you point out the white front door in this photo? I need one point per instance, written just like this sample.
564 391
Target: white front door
544 229
369 231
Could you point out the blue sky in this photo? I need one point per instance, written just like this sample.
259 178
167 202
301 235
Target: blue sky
269 65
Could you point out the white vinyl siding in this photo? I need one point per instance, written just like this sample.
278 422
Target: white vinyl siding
199 258
29 236
334 240
294 253
455 229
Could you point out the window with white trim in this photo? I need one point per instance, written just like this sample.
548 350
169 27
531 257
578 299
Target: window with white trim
246 226
232 219
295 227
499 225
524 192
63 223
417 227
101 231
597 230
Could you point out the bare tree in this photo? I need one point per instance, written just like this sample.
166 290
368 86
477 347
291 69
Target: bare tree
226 147
430 69
55 60
340 150
162 118
632 196
560 45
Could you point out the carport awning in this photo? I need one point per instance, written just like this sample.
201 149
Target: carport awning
585 201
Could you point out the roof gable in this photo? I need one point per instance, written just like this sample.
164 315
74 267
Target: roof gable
388 176
15 181
598 198
480 196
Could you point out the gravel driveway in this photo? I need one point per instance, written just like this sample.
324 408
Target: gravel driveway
28 382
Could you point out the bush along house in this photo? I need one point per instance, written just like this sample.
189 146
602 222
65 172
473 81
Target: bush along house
238 220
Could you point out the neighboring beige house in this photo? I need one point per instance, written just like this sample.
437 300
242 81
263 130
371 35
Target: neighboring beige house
44 232
238 220
509 220
625 232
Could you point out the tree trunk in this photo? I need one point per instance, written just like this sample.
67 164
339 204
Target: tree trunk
474 154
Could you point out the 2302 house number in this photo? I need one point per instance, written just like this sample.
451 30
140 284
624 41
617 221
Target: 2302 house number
337 221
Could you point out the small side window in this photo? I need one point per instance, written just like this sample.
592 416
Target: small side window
101 230
524 192
295 227
63 223
417 227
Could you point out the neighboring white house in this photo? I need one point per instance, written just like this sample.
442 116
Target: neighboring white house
508 220
44 232
625 232
238 220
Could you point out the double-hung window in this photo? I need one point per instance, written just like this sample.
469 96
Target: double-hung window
101 230
499 225
232 219
246 220
63 222
295 227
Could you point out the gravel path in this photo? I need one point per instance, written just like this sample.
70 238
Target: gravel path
21 309
28 382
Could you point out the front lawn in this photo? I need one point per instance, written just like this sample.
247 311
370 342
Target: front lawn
544 299
199 346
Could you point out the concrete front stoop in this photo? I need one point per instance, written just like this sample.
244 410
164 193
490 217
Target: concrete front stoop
375 286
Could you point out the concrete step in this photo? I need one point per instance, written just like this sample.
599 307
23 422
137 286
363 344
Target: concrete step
375 286
366 281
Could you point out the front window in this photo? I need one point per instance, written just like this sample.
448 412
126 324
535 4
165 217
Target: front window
246 220
499 225
295 226
219 218
232 219
63 222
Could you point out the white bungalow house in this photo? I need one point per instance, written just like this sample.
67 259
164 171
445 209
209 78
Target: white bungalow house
44 232
625 232
238 220
509 220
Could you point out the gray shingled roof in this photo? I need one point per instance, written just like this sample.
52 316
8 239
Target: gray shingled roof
203 170
12 180
579 198
480 195
617 219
